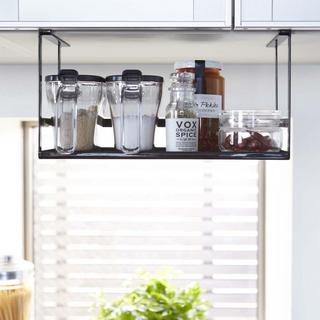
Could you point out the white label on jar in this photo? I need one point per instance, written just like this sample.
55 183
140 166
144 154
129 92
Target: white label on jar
182 134
208 105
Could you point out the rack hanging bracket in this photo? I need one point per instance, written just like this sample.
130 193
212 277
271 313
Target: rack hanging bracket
52 37
281 37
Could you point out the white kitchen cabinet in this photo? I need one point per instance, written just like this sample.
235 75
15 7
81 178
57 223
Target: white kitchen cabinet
125 13
295 14
214 11
253 10
106 10
8 10
296 10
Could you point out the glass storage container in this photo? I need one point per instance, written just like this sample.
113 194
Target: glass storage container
134 100
16 288
75 100
250 131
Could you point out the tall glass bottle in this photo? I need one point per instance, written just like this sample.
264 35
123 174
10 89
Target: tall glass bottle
182 124
209 97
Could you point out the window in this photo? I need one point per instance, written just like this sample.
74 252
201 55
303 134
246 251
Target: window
97 222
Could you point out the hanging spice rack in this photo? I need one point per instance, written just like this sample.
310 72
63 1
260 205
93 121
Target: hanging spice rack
284 36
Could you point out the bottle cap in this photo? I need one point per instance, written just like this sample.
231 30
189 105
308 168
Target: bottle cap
210 64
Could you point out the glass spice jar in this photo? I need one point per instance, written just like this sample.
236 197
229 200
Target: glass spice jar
250 131
16 286
209 97
181 115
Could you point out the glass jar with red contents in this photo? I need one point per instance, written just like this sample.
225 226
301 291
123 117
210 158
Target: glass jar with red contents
209 97
250 131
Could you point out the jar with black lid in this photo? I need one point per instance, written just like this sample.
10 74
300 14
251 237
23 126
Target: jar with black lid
75 100
209 97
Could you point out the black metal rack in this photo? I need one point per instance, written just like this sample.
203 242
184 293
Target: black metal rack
160 153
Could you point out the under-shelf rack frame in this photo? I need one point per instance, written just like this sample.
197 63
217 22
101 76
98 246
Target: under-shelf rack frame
160 153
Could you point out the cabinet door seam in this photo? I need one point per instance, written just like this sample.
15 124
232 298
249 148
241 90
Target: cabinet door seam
193 9
241 12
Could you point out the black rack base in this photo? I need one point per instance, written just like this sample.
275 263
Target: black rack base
160 153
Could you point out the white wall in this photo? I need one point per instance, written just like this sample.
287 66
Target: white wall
246 86
18 85
11 187
306 196
278 239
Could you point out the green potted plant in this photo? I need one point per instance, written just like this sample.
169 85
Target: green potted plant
156 298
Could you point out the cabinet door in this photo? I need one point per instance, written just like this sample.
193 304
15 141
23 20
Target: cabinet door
106 10
8 10
253 10
213 10
296 10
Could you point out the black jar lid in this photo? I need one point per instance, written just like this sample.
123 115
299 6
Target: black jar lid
144 78
135 75
79 77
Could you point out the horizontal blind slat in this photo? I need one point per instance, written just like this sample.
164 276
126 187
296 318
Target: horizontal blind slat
109 283
187 197
194 269
145 211
153 205
87 297
202 226
152 239
216 312
204 255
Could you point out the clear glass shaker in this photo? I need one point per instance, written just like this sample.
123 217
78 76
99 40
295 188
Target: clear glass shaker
134 101
16 288
182 124
75 100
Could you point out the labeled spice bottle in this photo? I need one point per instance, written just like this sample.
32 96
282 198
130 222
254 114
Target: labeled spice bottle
16 286
181 115
209 97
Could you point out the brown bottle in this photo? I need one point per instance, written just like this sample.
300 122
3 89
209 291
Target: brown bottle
209 99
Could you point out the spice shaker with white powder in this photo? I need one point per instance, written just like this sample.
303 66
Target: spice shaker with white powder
134 101
75 100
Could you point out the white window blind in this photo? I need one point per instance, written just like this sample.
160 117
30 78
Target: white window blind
97 222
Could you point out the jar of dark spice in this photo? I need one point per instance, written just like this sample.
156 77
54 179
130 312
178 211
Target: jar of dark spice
209 97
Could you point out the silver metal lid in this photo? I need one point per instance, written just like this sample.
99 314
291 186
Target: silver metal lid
14 269
182 81
185 64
